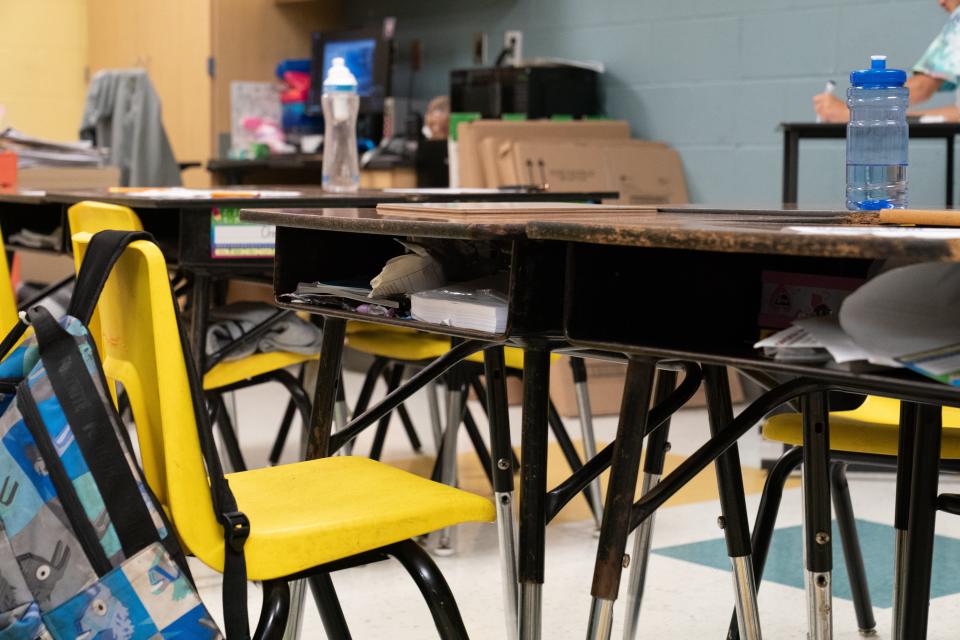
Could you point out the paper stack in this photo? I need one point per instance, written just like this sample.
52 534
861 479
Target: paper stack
469 305
37 152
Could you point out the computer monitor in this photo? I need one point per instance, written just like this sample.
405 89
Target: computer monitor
366 53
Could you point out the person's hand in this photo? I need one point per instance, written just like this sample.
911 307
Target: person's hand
830 108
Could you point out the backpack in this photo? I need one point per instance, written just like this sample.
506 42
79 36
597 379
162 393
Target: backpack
86 551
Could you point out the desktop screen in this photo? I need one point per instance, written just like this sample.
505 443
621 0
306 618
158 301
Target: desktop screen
358 55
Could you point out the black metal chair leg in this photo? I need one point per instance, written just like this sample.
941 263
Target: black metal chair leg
230 442
566 446
277 449
481 392
852 555
369 384
478 444
396 373
334 624
274 611
766 520
299 402
409 428
433 586
405 415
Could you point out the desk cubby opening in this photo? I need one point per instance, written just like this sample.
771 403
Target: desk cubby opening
675 299
310 255
40 219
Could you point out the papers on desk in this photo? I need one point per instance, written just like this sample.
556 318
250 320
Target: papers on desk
910 315
479 305
906 317
37 152
182 193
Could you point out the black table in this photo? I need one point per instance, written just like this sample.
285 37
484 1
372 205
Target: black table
793 132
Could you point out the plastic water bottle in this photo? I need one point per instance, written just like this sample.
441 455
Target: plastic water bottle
877 138
341 166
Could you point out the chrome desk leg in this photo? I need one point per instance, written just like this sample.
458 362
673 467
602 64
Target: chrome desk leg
901 514
533 479
736 527
638 562
657 447
298 591
745 593
618 507
817 516
502 472
586 429
446 545
433 404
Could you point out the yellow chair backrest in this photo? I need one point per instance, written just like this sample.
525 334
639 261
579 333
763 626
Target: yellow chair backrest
8 298
92 217
141 349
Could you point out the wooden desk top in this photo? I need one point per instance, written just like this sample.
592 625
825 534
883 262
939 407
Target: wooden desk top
23 196
368 220
312 196
823 233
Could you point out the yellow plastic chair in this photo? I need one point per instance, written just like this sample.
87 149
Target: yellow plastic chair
303 515
409 347
872 429
91 217
8 298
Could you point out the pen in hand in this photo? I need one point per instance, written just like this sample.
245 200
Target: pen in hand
831 85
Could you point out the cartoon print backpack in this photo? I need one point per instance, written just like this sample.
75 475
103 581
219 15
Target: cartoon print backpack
86 552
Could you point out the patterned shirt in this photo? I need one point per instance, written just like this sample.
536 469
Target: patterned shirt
942 58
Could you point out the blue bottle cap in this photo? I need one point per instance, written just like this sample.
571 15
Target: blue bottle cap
878 76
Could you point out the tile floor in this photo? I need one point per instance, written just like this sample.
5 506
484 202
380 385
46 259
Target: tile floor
689 590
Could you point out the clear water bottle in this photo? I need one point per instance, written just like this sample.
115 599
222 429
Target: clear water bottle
341 166
877 138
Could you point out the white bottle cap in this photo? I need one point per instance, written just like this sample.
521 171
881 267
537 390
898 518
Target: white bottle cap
339 77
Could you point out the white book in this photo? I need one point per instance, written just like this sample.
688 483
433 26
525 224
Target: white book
469 305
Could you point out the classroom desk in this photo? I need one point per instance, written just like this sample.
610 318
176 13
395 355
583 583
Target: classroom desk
333 244
608 259
793 132
706 293
182 227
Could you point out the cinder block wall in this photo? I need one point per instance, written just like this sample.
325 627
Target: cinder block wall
711 77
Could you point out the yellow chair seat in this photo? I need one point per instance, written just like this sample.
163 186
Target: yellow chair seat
415 346
306 514
407 347
873 428
512 357
231 371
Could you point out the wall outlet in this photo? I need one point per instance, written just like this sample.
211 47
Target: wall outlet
514 39
480 48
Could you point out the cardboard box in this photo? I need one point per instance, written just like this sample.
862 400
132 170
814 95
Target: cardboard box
605 386
642 172
471 135
50 178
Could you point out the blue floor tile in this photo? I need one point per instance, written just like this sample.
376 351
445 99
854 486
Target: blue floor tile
785 566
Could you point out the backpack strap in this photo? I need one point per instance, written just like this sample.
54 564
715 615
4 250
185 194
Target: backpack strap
104 250
83 406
